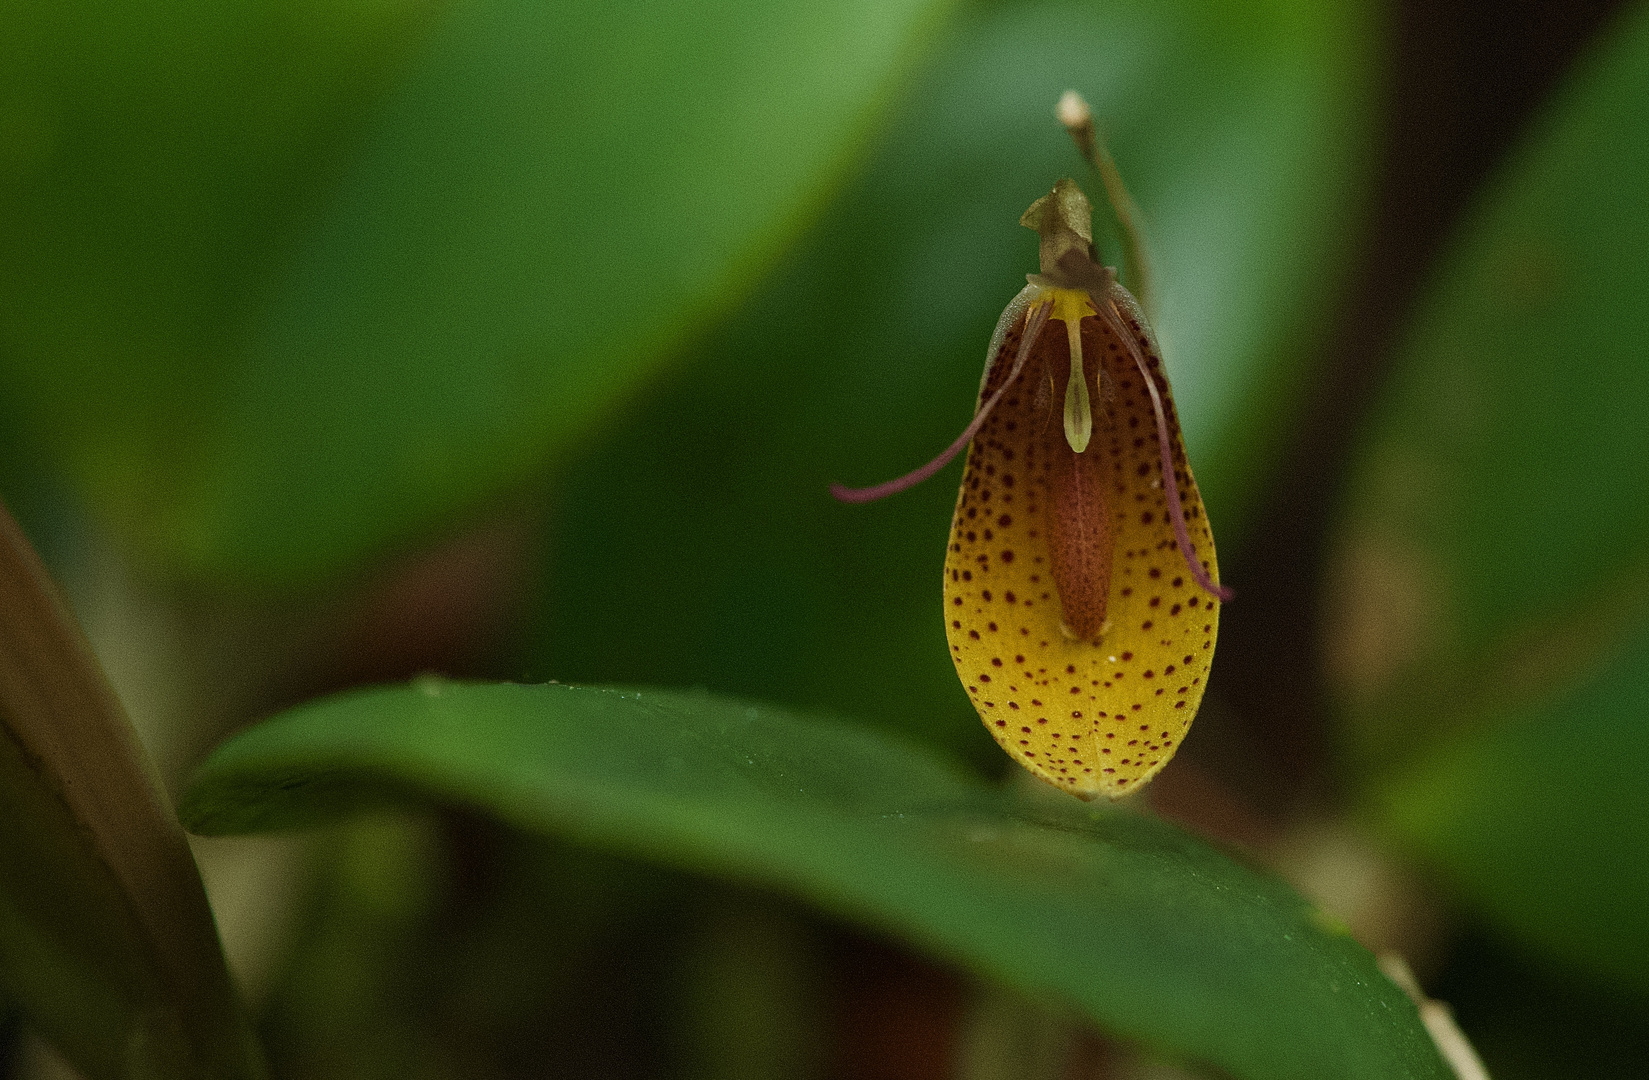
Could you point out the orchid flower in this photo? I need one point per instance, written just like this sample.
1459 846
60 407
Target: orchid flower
1082 594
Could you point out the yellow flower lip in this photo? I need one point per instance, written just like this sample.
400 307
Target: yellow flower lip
1081 587
1075 621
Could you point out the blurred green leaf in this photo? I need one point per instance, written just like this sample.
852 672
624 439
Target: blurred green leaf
1492 545
443 944
377 882
155 160
1541 820
271 366
1530 1025
698 544
1493 580
1155 935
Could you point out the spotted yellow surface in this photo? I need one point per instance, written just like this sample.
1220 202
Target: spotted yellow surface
1093 717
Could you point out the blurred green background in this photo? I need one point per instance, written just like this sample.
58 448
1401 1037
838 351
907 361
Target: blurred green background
345 342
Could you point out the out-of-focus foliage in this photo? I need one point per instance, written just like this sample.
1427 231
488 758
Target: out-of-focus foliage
1558 852
1532 1023
694 544
282 283
158 160
1491 635
1156 935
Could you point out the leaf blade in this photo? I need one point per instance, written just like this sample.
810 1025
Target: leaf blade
1538 819
1491 591
1094 907
293 356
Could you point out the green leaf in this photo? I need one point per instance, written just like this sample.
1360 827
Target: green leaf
156 159
697 542
1540 819
1530 1023
285 361
1155 935
1492 585
106 942
1489 518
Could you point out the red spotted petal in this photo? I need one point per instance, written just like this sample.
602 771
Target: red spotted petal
1093 709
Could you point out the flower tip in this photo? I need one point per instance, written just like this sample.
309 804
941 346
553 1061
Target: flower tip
1073 111
1078 120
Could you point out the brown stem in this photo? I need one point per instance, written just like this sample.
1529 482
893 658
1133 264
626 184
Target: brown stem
112 907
